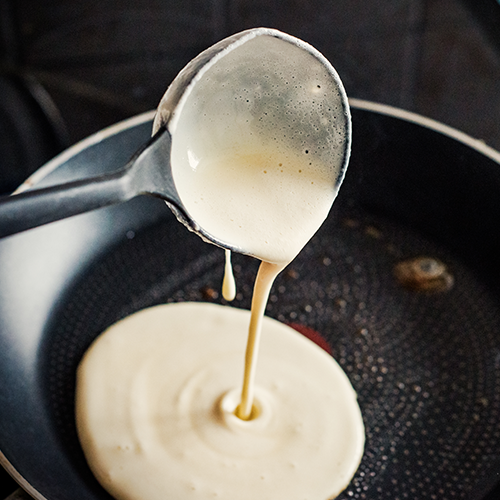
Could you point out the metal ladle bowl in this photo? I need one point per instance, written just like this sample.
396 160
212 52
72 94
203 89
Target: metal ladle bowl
260 84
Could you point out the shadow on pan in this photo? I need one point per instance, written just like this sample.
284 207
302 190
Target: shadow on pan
401 284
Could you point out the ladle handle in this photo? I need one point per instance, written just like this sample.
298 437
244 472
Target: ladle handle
30 209
147 172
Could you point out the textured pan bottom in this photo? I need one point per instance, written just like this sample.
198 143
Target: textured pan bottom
426 365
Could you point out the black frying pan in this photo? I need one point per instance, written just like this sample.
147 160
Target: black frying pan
424 358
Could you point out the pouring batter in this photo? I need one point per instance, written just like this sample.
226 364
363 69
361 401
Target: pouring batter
159 410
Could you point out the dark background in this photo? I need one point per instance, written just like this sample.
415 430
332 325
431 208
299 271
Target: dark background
70 68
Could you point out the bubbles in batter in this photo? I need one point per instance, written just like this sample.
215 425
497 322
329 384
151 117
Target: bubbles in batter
259 147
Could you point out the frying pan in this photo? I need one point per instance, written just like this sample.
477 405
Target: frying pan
424 359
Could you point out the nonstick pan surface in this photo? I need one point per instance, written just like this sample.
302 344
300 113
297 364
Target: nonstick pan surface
425 360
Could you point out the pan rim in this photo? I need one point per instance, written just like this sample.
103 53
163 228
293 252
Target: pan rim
91 140
20 480
412 117
381 108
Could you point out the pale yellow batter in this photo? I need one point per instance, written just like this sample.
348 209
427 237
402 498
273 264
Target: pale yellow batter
166 409
228 283
156 399
269 204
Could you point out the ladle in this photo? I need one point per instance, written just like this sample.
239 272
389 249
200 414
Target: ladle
250 85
